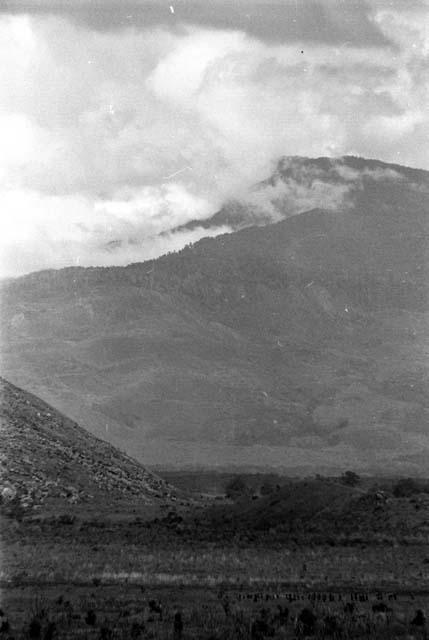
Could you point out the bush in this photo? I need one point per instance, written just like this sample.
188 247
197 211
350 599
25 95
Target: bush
350 478
66 518
268 488
406 487
236 488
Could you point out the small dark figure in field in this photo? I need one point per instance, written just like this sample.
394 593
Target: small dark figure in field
137 629
226 606
178 626
283 615
105 633
91 618
419 619
155 607
331 626
51 631
306 622
261 628
35 629
4 623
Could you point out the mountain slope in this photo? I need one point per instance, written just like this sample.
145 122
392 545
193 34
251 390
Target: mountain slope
300 345
299 184
49 462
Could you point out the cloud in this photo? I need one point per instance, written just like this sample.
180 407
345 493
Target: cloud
150 125
48 231
291 196
299 185
272 21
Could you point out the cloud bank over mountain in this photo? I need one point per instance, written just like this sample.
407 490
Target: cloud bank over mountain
121 121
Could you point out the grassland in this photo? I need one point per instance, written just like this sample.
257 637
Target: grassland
217 614
56 571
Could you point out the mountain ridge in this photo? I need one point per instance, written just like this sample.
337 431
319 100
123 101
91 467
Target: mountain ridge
345 170
300 344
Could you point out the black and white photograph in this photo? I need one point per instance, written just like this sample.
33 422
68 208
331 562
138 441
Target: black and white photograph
214 319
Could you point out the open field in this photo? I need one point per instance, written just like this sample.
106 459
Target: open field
276 611
131 553
85 584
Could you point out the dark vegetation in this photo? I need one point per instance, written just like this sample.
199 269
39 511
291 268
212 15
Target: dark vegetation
218 614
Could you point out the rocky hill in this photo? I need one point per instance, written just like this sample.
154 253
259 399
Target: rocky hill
300 345
48 462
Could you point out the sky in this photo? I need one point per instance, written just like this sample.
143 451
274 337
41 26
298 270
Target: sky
121 120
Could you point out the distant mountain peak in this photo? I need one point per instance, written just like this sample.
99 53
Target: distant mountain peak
298 184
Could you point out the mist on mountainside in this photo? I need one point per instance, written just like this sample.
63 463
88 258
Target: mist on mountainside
300 184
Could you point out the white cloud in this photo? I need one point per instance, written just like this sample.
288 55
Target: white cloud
43 231
130 133
301 187
290 197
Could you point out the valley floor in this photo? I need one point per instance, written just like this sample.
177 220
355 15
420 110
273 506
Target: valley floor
313 558
123 610
63 580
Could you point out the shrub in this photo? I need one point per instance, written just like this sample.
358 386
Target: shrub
236 488
350 478
267 488
405 488
66 518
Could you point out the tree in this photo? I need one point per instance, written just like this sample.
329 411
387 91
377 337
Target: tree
267 488
350 478
236 488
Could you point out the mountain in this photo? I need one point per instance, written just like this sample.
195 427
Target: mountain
49 463
299 184
299 345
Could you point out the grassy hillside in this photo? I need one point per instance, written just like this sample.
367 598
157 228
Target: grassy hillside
298 345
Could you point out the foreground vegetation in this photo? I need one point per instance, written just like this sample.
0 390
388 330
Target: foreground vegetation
118 612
